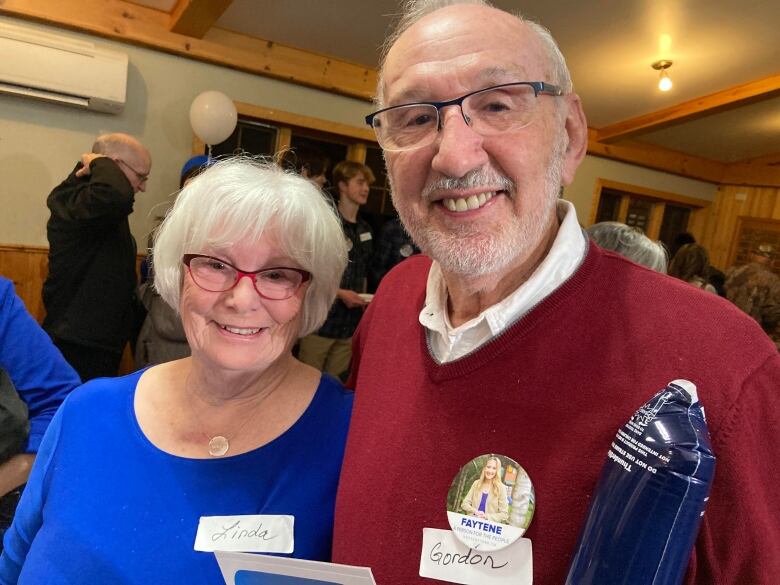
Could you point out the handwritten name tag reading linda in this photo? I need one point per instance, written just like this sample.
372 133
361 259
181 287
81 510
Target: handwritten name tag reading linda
253 533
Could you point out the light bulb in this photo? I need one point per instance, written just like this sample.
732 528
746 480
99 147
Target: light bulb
664 83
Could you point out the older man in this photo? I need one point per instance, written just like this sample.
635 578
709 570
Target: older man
89 291
519 338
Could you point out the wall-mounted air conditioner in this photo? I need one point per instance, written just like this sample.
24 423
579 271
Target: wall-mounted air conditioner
60 69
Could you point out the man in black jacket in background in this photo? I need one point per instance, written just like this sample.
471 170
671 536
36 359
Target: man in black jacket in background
89 292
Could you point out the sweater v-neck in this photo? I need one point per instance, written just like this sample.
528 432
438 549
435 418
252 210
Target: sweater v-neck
508 339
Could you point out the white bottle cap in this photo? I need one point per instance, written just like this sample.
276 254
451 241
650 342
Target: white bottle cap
688 386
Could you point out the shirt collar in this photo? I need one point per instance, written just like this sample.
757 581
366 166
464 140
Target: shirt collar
448 342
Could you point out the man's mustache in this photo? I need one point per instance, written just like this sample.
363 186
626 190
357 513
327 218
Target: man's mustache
477 178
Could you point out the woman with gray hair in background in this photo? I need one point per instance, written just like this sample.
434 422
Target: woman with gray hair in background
137 474
629 242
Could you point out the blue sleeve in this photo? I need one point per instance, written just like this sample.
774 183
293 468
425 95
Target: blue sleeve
36 367
29 514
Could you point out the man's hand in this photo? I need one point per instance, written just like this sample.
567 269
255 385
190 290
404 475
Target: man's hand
15 471
351 298
86 160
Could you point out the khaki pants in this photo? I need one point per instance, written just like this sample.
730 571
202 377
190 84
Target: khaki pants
326 354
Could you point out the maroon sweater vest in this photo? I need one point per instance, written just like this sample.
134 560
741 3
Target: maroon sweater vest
550 392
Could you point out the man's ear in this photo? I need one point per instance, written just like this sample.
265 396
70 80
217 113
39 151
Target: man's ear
576 128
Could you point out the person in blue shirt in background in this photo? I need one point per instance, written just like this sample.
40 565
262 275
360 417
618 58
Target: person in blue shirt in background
34 369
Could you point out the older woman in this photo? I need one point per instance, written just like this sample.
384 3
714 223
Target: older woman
133 469
630 242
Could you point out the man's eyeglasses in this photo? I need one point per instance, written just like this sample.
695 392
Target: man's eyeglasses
488 111
141 177
215 275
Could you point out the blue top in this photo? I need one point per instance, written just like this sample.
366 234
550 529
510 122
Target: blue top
40 374
104 505
483 502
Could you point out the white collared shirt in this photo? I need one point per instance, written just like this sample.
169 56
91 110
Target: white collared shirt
449 343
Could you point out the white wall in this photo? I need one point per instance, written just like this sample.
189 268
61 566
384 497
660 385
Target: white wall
40 143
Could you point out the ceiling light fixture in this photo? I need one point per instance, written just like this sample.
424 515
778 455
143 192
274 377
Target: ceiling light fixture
664 81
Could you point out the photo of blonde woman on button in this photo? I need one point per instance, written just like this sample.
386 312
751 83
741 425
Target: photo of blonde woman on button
487 497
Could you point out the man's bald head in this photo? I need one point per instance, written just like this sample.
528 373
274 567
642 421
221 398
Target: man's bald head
415 10
128 152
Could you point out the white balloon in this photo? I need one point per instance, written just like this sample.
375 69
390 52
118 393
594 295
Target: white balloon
213 116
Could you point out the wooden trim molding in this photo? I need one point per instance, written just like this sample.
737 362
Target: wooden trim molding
660 159
290 119
764 172
752 174
653 193
147 27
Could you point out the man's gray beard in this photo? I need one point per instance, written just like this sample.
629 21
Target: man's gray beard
470 252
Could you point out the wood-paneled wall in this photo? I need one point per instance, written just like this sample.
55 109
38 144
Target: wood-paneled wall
730 203
27 267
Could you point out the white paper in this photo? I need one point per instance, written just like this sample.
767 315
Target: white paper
445 558
254 567
251 533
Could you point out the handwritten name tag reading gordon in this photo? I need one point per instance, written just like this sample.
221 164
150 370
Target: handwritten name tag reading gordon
445 558
253 533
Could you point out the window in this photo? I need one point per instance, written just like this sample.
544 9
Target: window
662 216
264 131
250 137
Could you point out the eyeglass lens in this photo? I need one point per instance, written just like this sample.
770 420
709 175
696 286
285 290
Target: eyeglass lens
488 112
214 275
141 178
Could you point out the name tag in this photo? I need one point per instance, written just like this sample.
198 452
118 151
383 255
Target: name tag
365 236
445 558
254 533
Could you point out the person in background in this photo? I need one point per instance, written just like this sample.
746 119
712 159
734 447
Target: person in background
690 264
511 335
251 256
755 289
310 163
717 279
392 246
89 293
330 349
34 371
629 242
162 337
679 241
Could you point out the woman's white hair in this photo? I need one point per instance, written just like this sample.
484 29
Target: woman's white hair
630 242
237 200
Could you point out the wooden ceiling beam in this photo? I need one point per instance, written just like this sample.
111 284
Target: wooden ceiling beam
732 97
772 159
139 25
753 175
760 172
657 158
194 18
